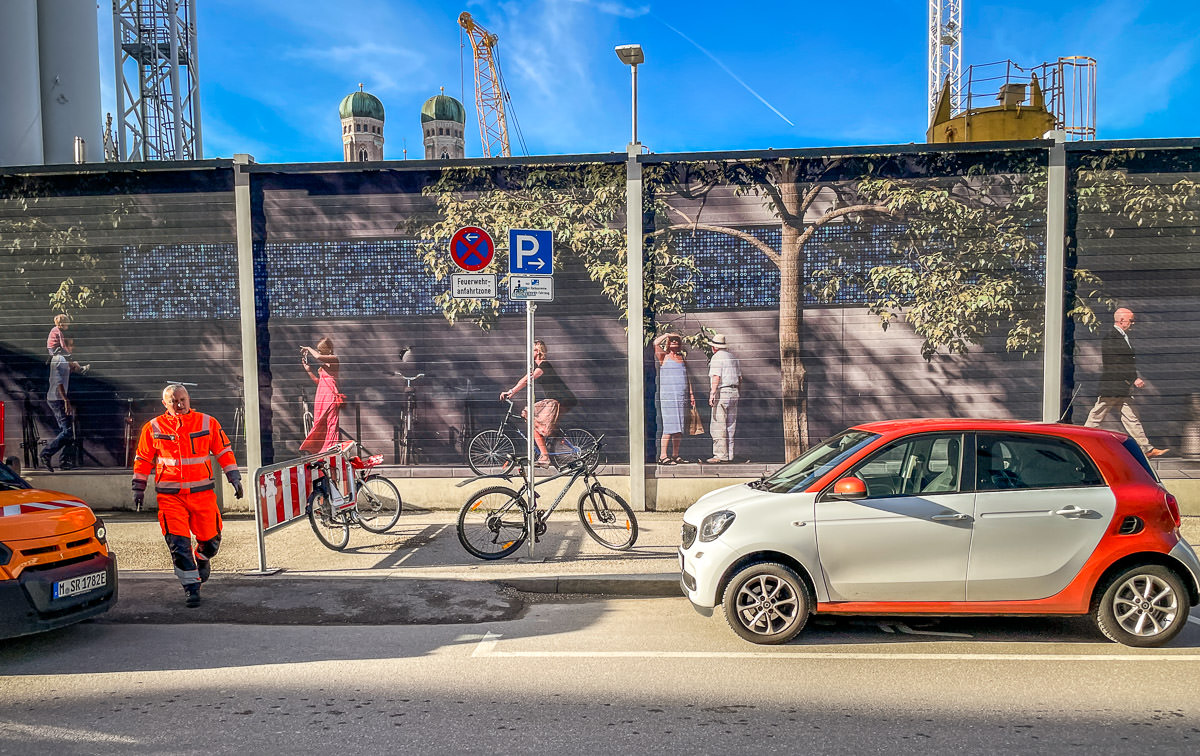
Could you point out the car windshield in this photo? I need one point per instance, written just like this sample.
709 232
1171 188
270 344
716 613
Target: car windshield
803 471
9 480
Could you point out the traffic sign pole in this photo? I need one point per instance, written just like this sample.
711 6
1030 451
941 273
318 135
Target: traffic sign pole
531 524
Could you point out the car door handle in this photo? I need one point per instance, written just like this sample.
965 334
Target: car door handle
956 517
1072 511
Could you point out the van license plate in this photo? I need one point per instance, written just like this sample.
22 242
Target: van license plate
81 584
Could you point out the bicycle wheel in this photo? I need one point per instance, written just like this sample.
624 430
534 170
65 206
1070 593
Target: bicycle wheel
608 519
378 502
490 452
492 523
572 445
332 528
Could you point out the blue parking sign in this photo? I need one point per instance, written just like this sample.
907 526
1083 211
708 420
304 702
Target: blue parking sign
530 252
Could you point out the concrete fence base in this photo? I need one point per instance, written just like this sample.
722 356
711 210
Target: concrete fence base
111 491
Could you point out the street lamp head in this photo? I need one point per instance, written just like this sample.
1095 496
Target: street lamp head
630 55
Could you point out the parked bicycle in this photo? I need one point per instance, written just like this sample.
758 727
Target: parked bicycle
408 451
494 522
376 498
31 441
492 452
375 507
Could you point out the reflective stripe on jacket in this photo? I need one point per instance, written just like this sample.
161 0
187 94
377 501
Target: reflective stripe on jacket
177 450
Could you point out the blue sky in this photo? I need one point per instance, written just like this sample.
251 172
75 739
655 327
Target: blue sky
717 76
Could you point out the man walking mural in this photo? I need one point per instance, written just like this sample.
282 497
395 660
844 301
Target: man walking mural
725 383
1118 378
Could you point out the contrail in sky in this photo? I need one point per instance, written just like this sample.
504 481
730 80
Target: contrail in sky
728 71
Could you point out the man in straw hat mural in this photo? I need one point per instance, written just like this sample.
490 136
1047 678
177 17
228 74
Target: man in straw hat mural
725 382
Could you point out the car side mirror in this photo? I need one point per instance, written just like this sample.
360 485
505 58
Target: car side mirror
848 489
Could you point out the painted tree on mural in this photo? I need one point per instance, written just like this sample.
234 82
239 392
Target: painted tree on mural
584 205
53 262
967 257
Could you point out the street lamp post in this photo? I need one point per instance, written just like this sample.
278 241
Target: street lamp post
631 55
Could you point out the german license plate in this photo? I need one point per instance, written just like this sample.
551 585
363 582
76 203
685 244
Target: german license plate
681 560
81 584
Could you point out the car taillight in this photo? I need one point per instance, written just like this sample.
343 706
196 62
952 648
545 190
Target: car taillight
1173 508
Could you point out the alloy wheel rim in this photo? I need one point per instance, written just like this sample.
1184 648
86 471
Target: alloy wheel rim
1145 606
767 605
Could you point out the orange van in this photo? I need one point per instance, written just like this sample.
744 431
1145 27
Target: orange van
55 564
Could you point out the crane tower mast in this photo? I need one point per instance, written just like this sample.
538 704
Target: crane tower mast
489 89
945 52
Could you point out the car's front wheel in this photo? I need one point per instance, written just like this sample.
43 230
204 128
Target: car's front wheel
767 603
1145 606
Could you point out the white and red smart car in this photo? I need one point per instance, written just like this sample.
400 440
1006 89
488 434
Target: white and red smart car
947 517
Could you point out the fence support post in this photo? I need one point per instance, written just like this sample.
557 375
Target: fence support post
245 264
1056 232
635 294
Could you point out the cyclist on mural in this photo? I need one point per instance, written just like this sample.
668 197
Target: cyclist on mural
325 430
175 446
556 400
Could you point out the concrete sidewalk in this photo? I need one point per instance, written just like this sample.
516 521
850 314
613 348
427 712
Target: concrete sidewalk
424 545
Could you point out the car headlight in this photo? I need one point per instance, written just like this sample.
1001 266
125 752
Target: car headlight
101 531
715 524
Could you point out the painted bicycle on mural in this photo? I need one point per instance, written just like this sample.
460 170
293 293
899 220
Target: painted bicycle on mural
492 452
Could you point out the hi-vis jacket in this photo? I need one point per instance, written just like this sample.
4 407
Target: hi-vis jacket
181 445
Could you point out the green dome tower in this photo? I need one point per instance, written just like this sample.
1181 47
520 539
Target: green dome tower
362 127
442 121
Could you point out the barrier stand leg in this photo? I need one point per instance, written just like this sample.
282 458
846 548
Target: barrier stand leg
263 570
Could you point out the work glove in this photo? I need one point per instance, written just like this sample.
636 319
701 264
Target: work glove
235 480
139 494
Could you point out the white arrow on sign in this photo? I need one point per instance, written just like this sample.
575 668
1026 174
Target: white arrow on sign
527 246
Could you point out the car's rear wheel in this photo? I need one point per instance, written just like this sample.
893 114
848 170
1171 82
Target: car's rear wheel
767 603
1145 606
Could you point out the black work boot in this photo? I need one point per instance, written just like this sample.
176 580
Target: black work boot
45 458
204 568
192 595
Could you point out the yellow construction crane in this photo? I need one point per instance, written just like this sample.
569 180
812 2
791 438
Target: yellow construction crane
489 89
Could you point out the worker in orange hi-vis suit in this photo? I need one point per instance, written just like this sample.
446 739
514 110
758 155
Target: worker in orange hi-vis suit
176 447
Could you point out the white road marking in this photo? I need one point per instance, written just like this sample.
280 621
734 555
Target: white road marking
409 555
1194 620
486 645
48 732
486 648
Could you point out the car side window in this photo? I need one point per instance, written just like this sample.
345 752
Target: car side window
914 466
1006 462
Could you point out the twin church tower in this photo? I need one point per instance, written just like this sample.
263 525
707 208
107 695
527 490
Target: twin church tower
442 121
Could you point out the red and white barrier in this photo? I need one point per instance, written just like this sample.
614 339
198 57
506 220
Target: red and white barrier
281 491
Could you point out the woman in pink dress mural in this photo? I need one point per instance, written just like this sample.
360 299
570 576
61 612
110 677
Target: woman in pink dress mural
325 432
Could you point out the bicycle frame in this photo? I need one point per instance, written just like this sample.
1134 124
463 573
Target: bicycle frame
576 471
326 483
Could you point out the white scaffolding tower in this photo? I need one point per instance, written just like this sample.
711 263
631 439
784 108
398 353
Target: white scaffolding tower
154 45
945 53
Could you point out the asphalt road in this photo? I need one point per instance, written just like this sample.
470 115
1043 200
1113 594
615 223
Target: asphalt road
587 676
